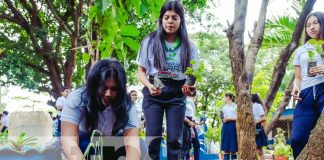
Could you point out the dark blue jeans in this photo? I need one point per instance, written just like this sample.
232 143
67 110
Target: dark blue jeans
189 142
172 102
306 114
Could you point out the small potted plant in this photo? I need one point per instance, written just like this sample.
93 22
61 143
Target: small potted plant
196 71
318 49
281 150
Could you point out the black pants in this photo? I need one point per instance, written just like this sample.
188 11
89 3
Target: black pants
189 142
172 102
4 128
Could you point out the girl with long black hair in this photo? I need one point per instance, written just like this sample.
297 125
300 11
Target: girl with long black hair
162 61
308 86
101 105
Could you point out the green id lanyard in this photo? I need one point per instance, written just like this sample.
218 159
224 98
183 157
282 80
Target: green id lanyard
174 47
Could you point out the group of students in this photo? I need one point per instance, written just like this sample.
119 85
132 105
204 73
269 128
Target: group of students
229 143
102 104
163 58
308 89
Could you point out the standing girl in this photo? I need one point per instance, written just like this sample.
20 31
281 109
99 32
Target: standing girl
259 117
308 87
162 60
229 137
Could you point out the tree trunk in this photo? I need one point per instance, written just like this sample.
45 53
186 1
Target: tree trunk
315 146
281 65
245 123
256 41
282 107
70 63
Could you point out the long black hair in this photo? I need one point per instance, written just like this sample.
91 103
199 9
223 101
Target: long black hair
129 95
256 99
320 18
230 95
102 71
158 38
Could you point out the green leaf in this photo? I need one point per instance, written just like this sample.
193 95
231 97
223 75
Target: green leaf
105 53
310 54
193 62
320 42
2 50
131 43
102 5
92 12
312 41
137 5
86 57
144 7
129 30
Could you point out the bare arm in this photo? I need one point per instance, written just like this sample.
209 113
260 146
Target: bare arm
59 107
229 119
296 89
262 119
70 141
190 123
132 144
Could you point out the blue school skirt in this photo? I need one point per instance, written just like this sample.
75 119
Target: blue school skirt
261 138
229 137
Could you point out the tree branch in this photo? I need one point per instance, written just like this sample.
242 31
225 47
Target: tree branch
17 14
256 41
37 68
282 106
59 18
77 18
280 68
9 18
26 6
24 24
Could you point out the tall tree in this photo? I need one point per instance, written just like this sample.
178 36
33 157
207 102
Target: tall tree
58 39
30 25
242 68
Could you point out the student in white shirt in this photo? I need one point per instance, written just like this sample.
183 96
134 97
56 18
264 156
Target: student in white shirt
259 117
4 121
229 136
308 87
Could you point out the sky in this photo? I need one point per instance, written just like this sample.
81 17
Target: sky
224 11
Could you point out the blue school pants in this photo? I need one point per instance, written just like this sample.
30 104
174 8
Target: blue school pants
306 114
172 102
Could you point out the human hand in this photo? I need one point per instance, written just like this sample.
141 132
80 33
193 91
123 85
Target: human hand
193 135
295 93
154 90
317 70
192 124
188 90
